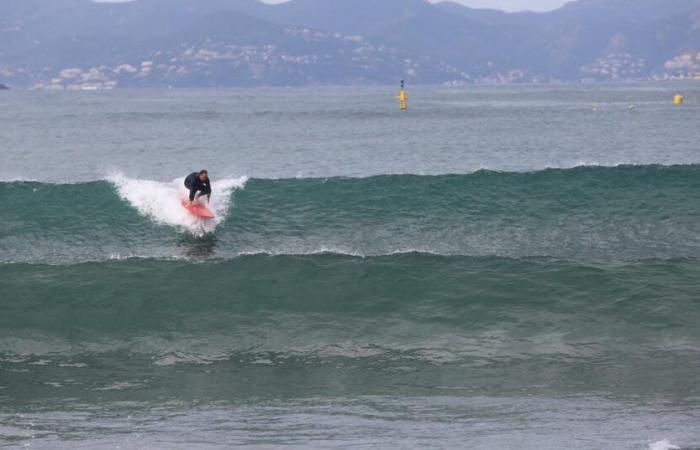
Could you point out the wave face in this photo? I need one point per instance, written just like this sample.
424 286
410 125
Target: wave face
500 275
497 321
586 214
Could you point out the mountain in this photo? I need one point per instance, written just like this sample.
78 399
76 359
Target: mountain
150 43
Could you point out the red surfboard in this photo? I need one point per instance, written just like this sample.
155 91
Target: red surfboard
198 210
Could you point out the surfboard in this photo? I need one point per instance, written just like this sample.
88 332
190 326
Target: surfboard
198 210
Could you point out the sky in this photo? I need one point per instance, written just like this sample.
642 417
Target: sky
515 5
508 5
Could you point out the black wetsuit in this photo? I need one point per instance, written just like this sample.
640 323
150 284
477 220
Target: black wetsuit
194 184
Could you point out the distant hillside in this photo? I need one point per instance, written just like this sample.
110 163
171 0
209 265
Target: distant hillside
149 43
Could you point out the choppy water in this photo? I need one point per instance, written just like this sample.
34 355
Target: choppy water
497 268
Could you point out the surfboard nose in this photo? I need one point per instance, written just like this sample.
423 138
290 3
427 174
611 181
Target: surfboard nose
198 210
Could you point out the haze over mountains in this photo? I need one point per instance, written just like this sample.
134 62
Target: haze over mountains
154 43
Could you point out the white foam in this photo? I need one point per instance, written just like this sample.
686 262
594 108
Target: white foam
17 179
161 201
663 445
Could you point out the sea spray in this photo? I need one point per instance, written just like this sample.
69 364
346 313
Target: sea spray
161 201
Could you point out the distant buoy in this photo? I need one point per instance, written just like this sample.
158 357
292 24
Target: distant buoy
631 107
595 107
678 99
403 97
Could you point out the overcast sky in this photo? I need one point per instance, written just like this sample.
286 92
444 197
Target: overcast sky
515 5
508 5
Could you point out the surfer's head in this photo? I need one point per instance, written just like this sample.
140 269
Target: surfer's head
203 175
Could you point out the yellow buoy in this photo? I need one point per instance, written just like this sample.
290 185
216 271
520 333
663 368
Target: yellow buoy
678 99
402 97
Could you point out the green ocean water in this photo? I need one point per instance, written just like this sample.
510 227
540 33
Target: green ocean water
497 268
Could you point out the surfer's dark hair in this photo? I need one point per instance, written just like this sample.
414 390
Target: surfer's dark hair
203 172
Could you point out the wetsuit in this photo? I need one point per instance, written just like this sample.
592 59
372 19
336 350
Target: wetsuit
194 184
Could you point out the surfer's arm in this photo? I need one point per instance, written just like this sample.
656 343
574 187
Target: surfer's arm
193 192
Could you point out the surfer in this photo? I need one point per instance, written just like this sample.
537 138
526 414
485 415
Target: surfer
198 183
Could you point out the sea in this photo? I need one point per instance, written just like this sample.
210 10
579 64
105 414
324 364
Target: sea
499 267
